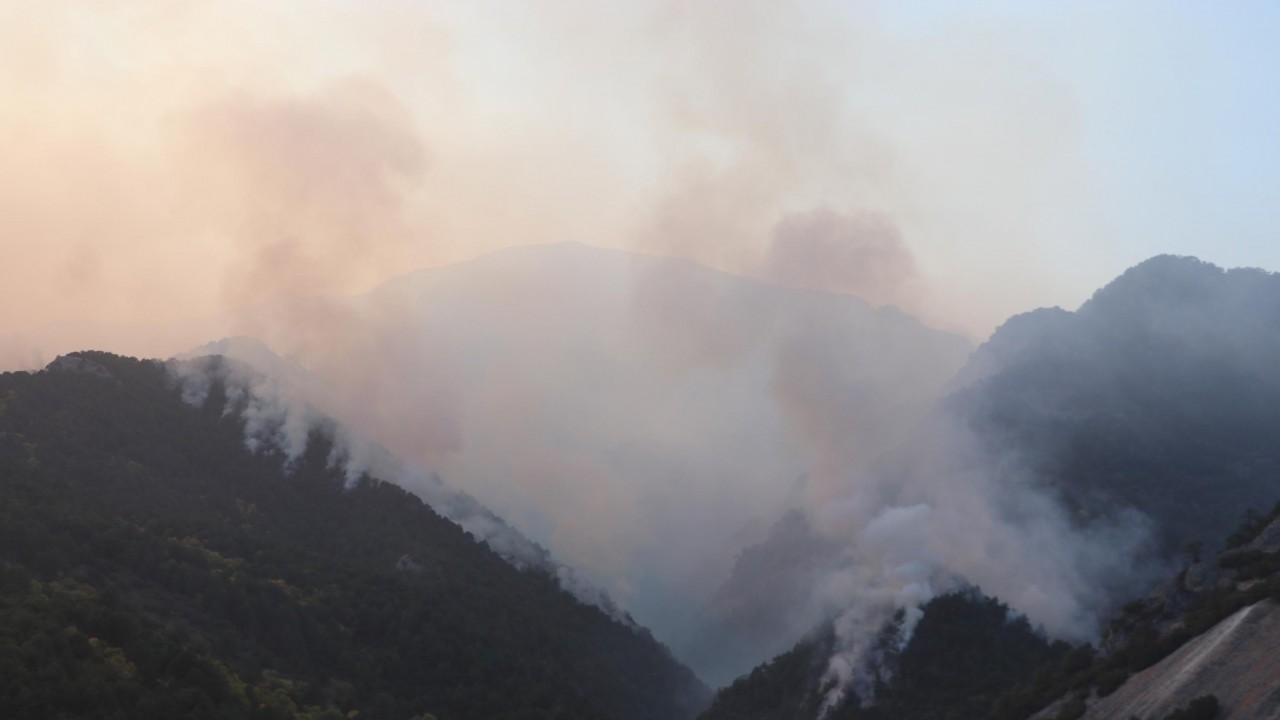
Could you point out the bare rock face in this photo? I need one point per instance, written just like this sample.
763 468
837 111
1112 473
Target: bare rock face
1269 539
1165 607
1236 660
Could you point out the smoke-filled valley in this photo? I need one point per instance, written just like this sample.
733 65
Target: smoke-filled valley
779 465
736 476
730 361
568 389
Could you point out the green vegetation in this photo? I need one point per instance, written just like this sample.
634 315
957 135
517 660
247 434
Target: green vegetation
781 689
1158 394
1251 526
1144 644
964 652
970 658
152 567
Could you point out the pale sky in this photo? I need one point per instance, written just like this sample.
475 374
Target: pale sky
966 161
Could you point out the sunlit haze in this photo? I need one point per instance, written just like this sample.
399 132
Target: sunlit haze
728 324
965 161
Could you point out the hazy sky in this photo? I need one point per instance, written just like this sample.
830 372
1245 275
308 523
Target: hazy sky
162 162
964 160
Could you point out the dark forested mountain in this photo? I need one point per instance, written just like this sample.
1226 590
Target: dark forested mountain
755 611
152 566
642 417
1161 393
1200 646
966 650
633 413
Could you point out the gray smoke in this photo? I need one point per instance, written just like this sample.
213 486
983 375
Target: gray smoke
643 418
280 405
957 518
646 419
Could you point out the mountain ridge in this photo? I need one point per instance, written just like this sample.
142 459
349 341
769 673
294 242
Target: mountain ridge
651 408
290 595
1172 358
1156 401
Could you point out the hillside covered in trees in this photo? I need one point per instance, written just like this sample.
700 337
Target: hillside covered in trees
1156 404
971 657
153 567
966 650
1159 394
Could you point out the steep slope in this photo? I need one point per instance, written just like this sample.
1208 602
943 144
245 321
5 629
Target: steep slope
631 413
1160 393
281 402
1153 408
1235 662
1209 632
964 652
641 417
757 611
152 566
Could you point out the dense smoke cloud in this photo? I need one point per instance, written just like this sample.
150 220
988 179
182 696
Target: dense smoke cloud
861 254
169 165
955 517
642 417
179 172
281 406
310 189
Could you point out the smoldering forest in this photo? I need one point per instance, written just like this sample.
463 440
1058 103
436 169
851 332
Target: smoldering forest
749 323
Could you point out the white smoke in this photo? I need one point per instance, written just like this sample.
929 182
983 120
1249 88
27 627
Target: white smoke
888 569
281 411
957 518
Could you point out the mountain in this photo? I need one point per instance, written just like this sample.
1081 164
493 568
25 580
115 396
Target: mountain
642 417
1233 663
966 650
756 611
1153 410
281 402
153 565
1200 646
1159 394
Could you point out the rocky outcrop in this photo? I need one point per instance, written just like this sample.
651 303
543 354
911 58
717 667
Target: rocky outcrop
1268 540
1236 661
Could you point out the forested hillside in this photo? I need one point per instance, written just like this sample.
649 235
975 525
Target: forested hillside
1160 393
970 657
152 567
1160 396
965 652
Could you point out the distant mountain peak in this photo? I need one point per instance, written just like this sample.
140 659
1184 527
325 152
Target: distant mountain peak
1163 277
249 350
1179 280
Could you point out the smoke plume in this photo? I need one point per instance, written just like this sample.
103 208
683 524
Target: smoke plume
175 172
861 254
956 517
168 167
279 406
